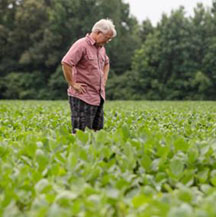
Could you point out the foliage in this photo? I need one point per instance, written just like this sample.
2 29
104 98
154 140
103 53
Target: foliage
35 35
122 86
151 159
173 60
24 85
176 59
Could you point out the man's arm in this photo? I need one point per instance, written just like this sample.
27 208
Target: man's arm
106 72
68 74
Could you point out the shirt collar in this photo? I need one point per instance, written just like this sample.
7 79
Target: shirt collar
90 40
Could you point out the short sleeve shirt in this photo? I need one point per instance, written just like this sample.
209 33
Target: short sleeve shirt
88 61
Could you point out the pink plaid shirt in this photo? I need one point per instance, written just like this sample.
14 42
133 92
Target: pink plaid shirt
88 61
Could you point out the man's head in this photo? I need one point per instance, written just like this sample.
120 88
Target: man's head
103 31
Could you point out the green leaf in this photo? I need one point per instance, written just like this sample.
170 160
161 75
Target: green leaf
146 162
43 186
185 195
65 198
213 180
193 155
181 145
203 175
72 161
176 166
82 136
140 200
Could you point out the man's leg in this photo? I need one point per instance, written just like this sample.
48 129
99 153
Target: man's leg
82 114
98 122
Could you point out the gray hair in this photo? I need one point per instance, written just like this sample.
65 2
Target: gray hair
105 26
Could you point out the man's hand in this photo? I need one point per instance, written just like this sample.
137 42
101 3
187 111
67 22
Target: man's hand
106 72
105 80
79 87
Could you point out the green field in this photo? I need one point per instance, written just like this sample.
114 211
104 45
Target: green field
153 159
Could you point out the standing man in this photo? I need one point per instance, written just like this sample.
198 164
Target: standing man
86 68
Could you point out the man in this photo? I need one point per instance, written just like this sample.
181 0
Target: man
86 67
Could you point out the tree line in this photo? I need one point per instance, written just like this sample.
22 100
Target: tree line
174 60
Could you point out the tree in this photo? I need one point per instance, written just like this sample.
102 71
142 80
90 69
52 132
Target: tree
163 61
35 35
176 60
146 29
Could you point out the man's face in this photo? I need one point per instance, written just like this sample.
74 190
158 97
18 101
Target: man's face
102 38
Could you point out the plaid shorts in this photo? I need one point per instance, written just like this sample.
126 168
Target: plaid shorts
84 115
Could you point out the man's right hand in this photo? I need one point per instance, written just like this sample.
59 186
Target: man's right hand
79 87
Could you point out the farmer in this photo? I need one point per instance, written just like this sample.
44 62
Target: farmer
86 67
